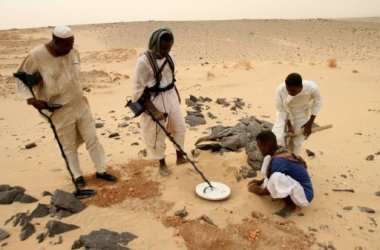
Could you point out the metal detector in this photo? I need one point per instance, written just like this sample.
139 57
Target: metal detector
206 190
30 81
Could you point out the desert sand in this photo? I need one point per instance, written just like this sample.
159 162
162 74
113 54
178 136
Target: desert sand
245 59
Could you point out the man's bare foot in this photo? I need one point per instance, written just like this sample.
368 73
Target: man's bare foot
288 209
164 171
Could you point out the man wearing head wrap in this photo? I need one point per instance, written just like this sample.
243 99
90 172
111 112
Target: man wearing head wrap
298 103
57 64
162 98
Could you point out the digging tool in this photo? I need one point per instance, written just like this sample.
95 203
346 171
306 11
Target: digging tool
313 130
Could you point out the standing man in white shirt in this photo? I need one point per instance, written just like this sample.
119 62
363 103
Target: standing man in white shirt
297 103
58 65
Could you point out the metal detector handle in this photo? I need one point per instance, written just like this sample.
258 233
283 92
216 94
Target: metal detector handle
176 144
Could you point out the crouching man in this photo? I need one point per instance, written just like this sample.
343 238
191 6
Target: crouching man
286 175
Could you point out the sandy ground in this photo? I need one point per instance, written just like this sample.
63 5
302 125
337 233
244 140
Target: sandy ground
245 59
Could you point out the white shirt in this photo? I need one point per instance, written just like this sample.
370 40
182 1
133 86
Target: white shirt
308 98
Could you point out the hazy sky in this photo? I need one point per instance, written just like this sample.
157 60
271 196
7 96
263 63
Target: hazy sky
37 13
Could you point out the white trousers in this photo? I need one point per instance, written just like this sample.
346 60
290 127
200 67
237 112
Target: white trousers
154 137
71 136
281 186
298 119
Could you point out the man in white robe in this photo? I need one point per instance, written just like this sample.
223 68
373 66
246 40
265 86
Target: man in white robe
298 103
161 98
58 65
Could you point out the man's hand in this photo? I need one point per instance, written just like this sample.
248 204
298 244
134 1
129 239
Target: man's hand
254 187
307 129
256 182
38 104
307 126
156 113
290 127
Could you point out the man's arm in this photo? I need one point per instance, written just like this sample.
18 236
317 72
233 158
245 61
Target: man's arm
258 190
317 104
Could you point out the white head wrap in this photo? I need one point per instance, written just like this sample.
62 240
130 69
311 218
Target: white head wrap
62 32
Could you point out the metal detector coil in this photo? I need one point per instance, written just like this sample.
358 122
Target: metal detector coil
217 192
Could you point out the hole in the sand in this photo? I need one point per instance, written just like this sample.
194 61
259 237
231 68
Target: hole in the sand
133 181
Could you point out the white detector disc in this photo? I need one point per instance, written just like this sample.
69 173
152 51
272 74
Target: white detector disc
219 191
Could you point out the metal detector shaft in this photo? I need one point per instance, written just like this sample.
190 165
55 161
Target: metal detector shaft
57 139
176 144
30 81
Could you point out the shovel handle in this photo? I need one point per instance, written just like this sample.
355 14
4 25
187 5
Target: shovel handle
313 130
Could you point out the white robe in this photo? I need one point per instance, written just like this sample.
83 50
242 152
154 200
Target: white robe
280 185
61 85
298 109
168 102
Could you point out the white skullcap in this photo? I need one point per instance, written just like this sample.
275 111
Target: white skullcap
62 32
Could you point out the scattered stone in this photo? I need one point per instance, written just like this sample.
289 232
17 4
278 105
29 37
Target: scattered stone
348 208
344 190
4 187
301 214
222 101
213 146
367 210
244 173
195 153
63 214
18 219
123 125
343 176
3 235
56 227
373 223
26 231
211 116
46 193
195 120
8 196
238 104
40 211
377 193
31 145
27 199
112 135
370 158
377 153
65 200
312 229
327 246
181 213
99 125
104 239
135 144
207 220
190 103
41 237
57 240
143 152
310 153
